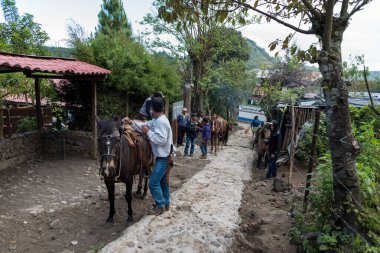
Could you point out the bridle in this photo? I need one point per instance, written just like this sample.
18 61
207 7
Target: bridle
108 141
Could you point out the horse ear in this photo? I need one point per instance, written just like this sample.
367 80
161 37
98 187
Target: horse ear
117 119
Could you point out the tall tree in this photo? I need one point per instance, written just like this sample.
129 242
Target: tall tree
327 20
112 18
195 32
19 33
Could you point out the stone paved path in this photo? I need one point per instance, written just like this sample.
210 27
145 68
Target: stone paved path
205 209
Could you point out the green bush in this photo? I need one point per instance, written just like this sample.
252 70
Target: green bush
321 216
26 124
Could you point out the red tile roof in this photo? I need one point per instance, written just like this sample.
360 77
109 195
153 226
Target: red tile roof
54 65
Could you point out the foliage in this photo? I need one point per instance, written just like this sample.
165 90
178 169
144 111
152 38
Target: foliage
112 18
322 215
361 115
26 124
304 143
20 34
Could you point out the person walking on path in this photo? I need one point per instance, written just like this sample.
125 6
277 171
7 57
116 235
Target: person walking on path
159 133
182 120
273 149
206 135
191 134
255 124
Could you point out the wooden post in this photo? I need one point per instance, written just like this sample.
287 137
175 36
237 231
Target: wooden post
93 120
292 148
312 156
37 90
9 123
187 97
167 105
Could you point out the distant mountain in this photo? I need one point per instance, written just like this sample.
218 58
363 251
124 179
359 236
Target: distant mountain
258 56
59 51
374 75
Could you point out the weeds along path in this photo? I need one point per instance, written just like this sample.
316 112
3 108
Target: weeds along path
205 209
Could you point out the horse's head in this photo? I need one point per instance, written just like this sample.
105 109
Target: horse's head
109 146
266 133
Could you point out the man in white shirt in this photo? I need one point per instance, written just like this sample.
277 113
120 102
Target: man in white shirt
159 133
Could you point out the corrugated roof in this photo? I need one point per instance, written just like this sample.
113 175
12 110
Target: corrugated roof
53 65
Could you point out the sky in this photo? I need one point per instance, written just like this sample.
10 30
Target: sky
361 37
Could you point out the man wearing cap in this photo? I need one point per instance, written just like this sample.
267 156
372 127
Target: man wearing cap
182 120
159 133
191 134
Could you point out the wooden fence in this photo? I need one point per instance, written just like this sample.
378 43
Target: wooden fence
13 115
301 116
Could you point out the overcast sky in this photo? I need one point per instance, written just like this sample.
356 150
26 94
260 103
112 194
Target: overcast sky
361 37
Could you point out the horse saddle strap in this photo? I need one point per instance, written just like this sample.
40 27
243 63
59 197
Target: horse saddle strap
130 135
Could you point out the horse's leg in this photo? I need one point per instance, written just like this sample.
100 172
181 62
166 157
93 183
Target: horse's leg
212 143
259 160
128 198
145 188
111 199
138 194
266 156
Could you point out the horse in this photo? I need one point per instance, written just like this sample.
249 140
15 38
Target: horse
122 156
262 137
219 132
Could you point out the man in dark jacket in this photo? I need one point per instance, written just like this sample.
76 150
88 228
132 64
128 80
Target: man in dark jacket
191 134
182 120
145 110
273 149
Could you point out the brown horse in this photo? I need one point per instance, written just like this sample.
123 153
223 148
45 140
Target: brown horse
261 141
219 132
122 156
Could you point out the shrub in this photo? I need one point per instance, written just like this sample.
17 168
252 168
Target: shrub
26 124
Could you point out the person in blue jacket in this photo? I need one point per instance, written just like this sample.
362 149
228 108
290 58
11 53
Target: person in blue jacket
255 124
191 134
206 135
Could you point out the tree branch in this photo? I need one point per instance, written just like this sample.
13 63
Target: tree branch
359 6
343 11
312 10
328 25
248 6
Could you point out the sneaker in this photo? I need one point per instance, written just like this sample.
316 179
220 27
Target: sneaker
202 157
156 210
167 207
185 155
191 155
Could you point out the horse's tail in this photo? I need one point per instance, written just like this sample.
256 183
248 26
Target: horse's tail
226 133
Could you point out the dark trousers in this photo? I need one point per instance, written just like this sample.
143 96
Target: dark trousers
181 135
272 170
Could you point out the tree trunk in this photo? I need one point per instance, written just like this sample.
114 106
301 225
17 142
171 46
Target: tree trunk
198 94
343 146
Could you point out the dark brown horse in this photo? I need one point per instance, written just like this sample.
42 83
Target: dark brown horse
261 142
122 156
219 132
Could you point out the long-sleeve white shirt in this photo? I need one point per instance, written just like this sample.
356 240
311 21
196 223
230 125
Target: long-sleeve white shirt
160 135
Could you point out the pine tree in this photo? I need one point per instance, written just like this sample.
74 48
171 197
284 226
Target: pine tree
112 18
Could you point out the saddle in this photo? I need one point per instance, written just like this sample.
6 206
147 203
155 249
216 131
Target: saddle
135 141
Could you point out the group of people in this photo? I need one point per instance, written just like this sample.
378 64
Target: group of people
273 146
190 127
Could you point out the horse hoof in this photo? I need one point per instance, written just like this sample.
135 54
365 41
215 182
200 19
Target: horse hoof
130 219
109 220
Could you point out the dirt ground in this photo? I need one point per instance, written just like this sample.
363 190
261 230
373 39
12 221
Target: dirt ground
266 214
61 206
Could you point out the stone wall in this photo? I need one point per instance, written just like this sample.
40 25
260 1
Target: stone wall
19 149
75 144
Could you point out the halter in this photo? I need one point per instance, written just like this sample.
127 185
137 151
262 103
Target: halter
108 138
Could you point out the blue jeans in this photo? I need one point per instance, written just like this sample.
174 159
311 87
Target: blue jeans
204 147
272 170
189 140
158 185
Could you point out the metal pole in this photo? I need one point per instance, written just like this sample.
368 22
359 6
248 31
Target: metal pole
312 156
37 90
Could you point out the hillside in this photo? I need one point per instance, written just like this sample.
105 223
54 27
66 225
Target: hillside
59 51
258 56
